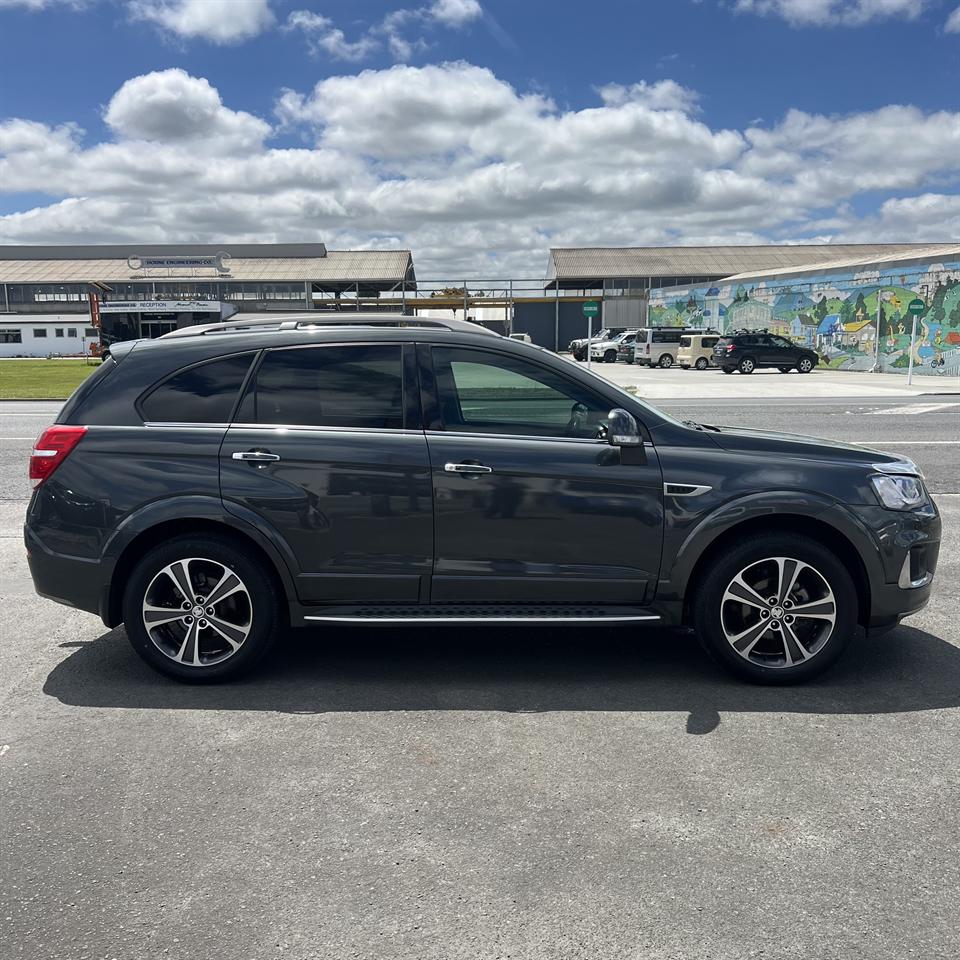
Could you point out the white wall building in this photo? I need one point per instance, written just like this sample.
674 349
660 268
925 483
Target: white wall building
46 334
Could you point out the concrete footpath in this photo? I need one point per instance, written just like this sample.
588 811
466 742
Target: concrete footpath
677 383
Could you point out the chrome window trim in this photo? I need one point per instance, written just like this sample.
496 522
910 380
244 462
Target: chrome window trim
516 436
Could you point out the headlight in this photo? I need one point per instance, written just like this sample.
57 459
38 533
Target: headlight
899 492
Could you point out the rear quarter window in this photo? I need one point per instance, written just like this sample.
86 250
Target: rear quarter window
204 393
685 341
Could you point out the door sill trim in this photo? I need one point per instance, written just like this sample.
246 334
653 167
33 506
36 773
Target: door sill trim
454 618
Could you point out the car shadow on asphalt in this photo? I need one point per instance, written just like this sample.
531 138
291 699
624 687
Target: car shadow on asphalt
517 669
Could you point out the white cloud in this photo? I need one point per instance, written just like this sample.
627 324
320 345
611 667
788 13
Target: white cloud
323 37
471 173
393 30
848 13
170 106
953 22
220 21
455 13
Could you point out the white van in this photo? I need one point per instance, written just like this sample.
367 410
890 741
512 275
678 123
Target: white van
696 350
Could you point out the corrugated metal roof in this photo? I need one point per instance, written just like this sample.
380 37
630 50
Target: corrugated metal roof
376 266
590 263
941 253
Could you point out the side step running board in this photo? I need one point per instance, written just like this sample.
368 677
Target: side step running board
481 613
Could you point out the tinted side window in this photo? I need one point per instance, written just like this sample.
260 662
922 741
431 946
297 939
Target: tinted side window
709 342
782 342
666 336
485 392
205 393
351 386
685 341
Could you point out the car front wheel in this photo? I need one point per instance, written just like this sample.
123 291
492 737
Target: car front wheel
776 609
747 365
610 356
666 361
805 365
201 609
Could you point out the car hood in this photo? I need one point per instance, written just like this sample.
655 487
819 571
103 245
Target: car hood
796 445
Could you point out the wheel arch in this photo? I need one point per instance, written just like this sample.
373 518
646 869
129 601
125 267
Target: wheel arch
813 527
125 551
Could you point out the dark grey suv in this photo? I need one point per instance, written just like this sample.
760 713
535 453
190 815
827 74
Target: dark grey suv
211 488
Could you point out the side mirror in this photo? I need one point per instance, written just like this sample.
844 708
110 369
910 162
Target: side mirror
622 429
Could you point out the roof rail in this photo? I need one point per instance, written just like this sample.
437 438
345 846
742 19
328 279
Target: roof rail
302 322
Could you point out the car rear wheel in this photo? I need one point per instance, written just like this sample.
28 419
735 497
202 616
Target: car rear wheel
666 361
784 369
201 609
747 365
610 356
805 365
776 609
702 363
727 369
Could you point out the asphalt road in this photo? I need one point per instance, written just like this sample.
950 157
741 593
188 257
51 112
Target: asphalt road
524 793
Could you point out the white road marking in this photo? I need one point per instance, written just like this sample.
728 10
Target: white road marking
4 749
911 409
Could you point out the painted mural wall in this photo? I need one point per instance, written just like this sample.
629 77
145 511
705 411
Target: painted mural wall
856 320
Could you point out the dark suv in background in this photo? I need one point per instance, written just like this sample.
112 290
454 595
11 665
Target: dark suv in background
214 486
750 349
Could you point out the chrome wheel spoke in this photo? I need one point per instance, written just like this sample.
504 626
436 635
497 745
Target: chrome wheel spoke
789 571
741 592
189 651
792 644
816 610
233 635
155 616
745 642
229 584
179 575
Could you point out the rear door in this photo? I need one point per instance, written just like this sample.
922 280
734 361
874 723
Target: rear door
530 505
328 455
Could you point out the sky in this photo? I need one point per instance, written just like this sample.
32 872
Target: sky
479 133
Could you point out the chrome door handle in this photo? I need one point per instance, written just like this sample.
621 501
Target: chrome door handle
257 456
467 468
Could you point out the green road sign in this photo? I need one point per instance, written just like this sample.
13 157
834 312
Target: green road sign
591 308
916 307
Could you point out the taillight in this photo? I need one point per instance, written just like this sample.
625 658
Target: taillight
51 449
731 347
647 351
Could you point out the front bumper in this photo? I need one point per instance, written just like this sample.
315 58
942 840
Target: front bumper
909 547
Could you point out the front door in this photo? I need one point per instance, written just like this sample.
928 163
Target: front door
529 504
328 454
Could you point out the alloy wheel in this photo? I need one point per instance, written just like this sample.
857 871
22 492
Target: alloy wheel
197 612
702 363
746 365
805 366
778 612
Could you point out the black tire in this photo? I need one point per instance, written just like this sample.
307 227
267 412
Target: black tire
630 360
804 365
709 609
702 363
727 369
747 365
784 369
665 362
258 607
610 356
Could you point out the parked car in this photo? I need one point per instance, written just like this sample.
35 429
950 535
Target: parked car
607 351
209 488
749 350
522 337
658 346
696 350
626 345
579 347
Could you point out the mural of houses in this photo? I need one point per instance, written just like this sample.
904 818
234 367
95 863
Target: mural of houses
837 308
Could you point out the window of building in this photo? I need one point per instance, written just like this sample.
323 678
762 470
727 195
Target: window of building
10 336
486 392
58 332
72 332
91 332
205 393
355 386
39 331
